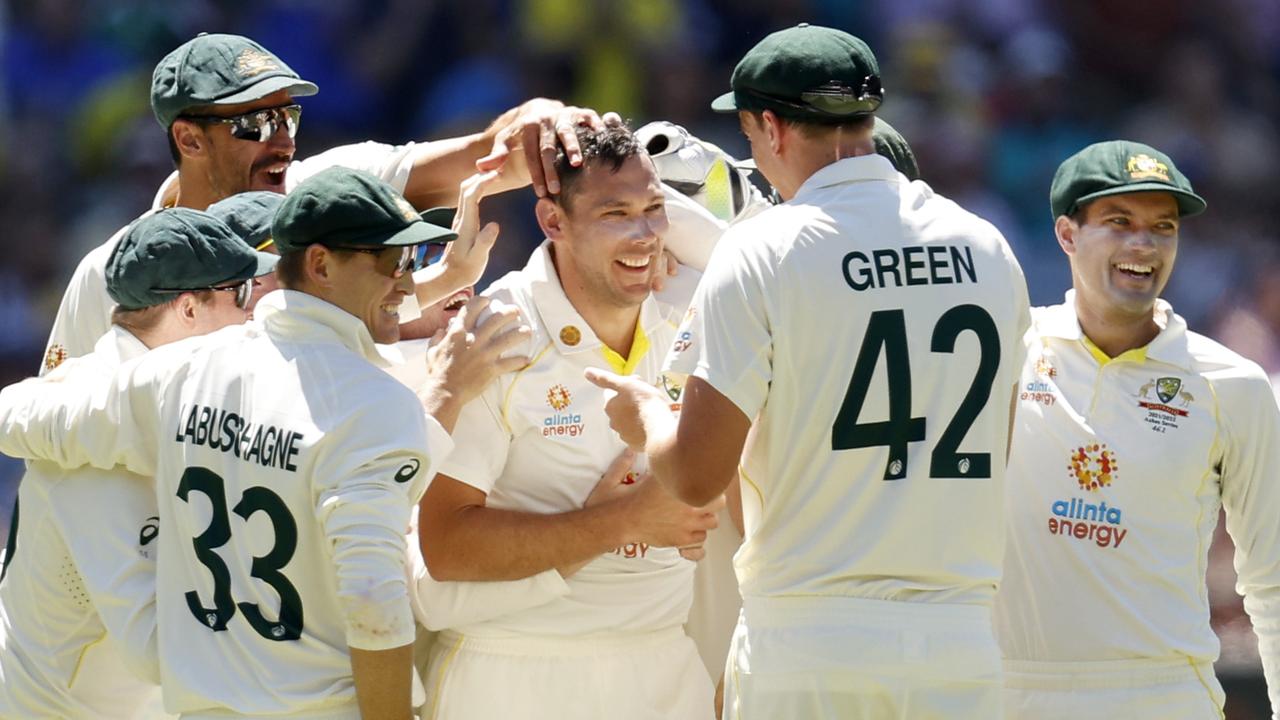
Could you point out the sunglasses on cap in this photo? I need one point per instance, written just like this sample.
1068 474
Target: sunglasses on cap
409 259
257 125
834 98
243 291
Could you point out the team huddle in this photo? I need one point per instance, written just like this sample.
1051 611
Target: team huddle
705 455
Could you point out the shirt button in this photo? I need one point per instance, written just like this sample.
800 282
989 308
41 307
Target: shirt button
570 335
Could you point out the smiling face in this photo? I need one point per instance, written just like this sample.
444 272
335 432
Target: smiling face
607 238
1122 251
359 285
437 316
229 165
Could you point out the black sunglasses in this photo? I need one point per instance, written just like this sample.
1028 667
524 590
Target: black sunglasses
833 99
257 125
411 257
243 290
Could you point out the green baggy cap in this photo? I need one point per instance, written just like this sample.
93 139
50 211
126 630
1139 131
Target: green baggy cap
249 215
175 250
1117 167
890 143
807 72
219 70
343 207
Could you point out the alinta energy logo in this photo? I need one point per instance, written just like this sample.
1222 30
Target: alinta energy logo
1041 389
1092 467
55 356
558 397
561 424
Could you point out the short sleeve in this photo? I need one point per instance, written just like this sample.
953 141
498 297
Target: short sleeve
726 338
84 314
481 441
390 163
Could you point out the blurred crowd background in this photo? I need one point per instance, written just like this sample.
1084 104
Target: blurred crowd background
992 95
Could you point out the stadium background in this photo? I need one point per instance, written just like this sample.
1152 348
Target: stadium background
992 95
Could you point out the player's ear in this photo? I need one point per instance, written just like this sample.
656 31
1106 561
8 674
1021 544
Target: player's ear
775 129
551 218
318 265
187 306
1065 229
188 138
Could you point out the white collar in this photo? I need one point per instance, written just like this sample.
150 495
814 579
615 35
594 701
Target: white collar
119 346
301 316
852 169
1170 345
561 318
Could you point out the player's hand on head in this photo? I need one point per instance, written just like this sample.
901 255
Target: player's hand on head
626 404
471 351
527 146
466 258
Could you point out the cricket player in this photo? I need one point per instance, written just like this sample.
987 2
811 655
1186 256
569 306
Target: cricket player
77 603
708 174
228 107
286 464
1131 433
870 330
249 215
605 637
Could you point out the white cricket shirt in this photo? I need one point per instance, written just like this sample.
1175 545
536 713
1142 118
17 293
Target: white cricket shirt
77 602
872 330
1116 476
85 312
286 465
538 440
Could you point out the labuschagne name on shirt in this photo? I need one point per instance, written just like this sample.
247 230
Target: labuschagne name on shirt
257 443
904 267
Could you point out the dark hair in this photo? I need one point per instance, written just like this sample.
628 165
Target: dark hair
290 270
611 147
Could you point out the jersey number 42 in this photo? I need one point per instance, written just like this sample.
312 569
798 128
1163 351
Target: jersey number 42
887 329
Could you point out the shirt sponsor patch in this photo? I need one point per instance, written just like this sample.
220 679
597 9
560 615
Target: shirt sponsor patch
55 356
1092 467
1042 389
561 424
